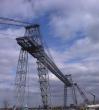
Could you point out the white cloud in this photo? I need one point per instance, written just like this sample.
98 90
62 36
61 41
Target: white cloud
81 16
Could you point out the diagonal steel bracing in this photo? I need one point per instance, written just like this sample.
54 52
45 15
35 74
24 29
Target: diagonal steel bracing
32 42
20 81
44 83
33 34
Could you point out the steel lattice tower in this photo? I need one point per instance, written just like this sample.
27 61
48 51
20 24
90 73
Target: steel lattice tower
44 83
20 80
32 33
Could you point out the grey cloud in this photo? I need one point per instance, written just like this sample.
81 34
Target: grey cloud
15 8
68 18
84 70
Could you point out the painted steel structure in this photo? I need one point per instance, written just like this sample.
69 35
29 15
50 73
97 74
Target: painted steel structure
72 88
33 44
44 84
20 81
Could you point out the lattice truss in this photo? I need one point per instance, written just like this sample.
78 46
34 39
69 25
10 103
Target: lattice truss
21 74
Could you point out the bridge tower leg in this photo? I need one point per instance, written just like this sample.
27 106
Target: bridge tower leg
72 88
44 84
20 81
74 95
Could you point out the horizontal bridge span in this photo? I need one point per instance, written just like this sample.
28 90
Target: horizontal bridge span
38 52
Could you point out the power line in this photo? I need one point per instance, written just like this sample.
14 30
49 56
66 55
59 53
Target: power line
10 21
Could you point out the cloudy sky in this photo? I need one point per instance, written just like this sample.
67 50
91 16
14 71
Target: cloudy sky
70 29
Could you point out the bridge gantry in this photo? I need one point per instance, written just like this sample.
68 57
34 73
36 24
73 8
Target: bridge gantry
32 43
